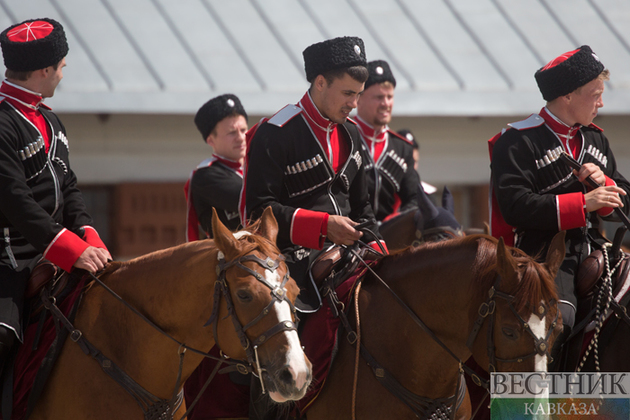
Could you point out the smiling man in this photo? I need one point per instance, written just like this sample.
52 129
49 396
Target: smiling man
389 162
305 162
217 181
537 194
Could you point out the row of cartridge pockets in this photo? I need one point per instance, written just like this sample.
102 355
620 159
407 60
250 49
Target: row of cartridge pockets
394 169
307 175
33 158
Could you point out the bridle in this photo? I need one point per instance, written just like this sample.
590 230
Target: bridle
157 408
486 309
278 294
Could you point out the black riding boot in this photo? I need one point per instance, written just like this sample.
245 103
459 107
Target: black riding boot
7 339
558 351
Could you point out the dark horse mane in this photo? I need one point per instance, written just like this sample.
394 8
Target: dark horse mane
535 283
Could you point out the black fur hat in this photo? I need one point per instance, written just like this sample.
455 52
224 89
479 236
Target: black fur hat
565 73
379 72
213 111
332 54
33 44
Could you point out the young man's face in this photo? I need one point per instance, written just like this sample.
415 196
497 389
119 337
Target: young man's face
339 98
52 78
376 103
586 101
228 138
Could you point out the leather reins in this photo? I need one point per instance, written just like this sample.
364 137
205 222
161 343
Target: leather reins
487 308
155 408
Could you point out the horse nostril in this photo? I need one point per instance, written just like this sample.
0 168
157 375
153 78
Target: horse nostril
285 376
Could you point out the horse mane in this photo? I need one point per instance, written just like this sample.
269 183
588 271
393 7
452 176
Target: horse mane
249 242
535 283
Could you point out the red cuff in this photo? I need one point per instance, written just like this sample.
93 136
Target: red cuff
65 249
571 213
309 228
607 211
92 238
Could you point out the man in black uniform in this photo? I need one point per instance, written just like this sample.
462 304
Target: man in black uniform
389 163
42 213
538 194
217 181
305 162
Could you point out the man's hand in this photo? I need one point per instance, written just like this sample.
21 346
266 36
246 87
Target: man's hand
341 230
592 170
603 197
93 259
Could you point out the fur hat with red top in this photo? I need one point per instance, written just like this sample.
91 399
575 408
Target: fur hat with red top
33 44
565 73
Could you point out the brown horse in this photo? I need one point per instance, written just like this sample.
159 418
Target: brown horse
175 288
467 296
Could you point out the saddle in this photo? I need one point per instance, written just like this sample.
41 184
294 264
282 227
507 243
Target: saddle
44 273
591 270
338 263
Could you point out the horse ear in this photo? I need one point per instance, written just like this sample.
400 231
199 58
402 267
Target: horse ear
269 225
447 200
556 253
506 266
223 238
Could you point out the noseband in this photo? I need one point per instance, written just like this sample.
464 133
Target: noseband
278 294
486 309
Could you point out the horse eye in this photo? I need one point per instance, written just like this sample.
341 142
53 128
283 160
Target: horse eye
510 333
244 296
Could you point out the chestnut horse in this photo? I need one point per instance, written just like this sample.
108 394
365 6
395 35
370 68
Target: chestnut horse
175 289
467 296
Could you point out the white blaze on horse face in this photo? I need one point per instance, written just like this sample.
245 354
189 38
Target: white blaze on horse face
539 328
296 359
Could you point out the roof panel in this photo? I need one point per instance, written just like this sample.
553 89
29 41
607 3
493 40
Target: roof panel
267 58
501 41
112 50
456 44
223 65
451 57
414 62
159 46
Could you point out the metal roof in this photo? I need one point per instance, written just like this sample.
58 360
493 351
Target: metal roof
450 57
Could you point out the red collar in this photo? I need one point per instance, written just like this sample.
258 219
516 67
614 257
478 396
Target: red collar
18 95
561 129
229 163
368 133
313 116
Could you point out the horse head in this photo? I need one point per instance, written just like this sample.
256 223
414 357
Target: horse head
521 308
255 319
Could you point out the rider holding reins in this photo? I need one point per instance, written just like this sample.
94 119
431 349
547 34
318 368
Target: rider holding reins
539 195
42 213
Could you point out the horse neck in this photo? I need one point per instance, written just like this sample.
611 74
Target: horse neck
435 283
174 289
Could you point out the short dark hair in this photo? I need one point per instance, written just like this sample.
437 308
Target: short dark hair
358 73
24 75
